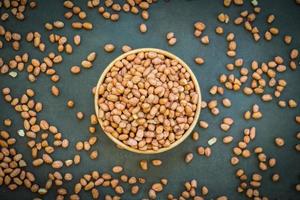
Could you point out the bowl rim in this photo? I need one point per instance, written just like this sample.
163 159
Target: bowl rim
197 88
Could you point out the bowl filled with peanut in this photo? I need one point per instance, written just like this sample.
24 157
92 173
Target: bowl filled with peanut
147 101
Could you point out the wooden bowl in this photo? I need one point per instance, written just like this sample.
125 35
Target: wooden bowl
184 136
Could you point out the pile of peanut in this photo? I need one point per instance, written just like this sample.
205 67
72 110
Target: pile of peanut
147 101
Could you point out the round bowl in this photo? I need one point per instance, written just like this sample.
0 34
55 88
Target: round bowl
184 136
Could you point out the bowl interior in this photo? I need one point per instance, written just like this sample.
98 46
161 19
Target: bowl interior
197 113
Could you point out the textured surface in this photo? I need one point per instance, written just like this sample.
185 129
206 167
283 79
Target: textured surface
177 16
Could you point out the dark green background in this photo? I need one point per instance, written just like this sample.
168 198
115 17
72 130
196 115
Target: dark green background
177 16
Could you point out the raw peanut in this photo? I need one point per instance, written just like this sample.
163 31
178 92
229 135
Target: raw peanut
95 193
297 119
30 92
257 115
157 187
297 147
144 165
170 35
47 159
119 190
86 64
255 108
272 162
214 110
275 177
199 60
80 115
156 162
232 47
268 36
57 164
230 37
76 159
75 69
135 189
262 166
255 177
227 139
109 48
143 28
164 181
199 26
294 54
92 129
86 146
92 140
126 48
287 39
37 162
68 49
219 30
195 136
207 151
58 24
204 190
145 15
115 17
91 57
228 120
189 157
246 153
77 40
203 124
89 186
292 103
266 97
117 169
270 18
226 102
224 18
87 25
248 91
93 119
68 177
213 90
55 90
298 135
65 143
225 127
231 53
238 20
82 15
70 103
205 40
212 104
94 154
203 104
234 160
200 150
197 33
7 122
172 41
279 141
239 62
152 194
